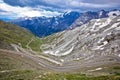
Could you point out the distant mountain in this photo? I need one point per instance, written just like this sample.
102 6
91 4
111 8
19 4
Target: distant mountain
87 16
43 26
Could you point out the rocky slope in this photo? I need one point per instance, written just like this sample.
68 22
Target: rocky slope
87 16
99 37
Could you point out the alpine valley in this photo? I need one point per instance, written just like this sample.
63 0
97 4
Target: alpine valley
71 46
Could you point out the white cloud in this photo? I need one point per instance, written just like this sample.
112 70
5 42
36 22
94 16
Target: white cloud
76 3
34 8
24 11
84 3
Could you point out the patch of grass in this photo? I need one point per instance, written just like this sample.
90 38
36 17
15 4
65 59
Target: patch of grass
116 67
36 43
19 75
68 76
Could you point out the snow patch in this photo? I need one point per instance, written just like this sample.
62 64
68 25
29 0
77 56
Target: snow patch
100 40
48 52
99 24
105 42
113 26
62 60
68 52
93 27
100 14
118 20
114 13
97 69
106 23
67 12
101 46
109 33
119 55
78 59
98 47
57 53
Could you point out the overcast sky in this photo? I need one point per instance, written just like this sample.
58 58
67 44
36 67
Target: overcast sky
32 8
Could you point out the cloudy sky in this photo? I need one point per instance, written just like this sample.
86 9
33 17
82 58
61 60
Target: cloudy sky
31 8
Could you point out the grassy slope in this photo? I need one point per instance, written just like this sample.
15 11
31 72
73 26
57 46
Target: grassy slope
15 66
10 33
76 76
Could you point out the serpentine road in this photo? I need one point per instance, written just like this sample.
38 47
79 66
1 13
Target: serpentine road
64 66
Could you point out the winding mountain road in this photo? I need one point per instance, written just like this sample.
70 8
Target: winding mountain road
64 66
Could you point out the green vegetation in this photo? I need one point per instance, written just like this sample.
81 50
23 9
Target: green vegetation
117 67
18 75
13 34
35 44
33 75
68 76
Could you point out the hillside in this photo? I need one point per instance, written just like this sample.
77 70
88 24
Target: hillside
99 36
14 65
13 34
94 44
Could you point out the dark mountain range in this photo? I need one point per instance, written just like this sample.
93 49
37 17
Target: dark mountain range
43 26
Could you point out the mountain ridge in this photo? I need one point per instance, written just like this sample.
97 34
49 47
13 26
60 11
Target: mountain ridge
87 16
44 26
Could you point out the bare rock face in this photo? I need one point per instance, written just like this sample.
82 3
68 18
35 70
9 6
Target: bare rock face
98 37
87 16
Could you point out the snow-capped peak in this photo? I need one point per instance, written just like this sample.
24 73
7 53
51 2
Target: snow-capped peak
68 12
114 13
